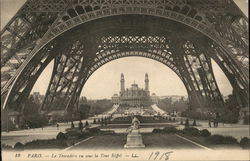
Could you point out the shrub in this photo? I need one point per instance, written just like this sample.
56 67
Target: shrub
205 133
157 131
170 129
245 143
191 131
229 140
19 146
6 147
61 136
219 139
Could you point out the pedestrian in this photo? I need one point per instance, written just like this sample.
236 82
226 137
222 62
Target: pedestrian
209 123
102 122
57 126
194 123
187 123
86 124
72 125
80 125
181 122
105 122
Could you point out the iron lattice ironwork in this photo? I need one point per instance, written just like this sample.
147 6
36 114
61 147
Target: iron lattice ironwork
182 34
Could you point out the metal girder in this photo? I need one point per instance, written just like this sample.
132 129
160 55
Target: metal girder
183 13
27 80
66 84
18 39
196 71
200 70
228 66
67 68
72 13
200 76
235 76
233 29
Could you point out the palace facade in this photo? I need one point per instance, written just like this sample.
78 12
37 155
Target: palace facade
134 96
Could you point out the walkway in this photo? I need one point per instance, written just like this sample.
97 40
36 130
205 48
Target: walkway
236 130
49 132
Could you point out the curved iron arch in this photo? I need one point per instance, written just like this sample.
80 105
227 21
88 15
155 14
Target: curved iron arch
60 27
28 61
124 54
139 53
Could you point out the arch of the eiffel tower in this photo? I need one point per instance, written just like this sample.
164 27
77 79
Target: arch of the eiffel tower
82 35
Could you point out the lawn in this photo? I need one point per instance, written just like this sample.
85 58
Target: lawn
202 141
117 141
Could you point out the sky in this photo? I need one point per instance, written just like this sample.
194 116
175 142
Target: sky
106 80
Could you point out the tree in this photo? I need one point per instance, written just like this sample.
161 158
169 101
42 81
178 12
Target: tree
168 105
30 107
34 121
83 111
99 106
230 113
31 116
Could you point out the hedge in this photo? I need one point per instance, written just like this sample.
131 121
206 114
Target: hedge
205 133
219 139
191 131
245 143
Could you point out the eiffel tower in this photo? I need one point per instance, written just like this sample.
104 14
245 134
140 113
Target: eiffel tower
82 35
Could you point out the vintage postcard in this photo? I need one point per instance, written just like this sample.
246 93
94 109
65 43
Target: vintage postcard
124 80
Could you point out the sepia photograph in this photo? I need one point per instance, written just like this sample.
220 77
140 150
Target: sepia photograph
122 80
